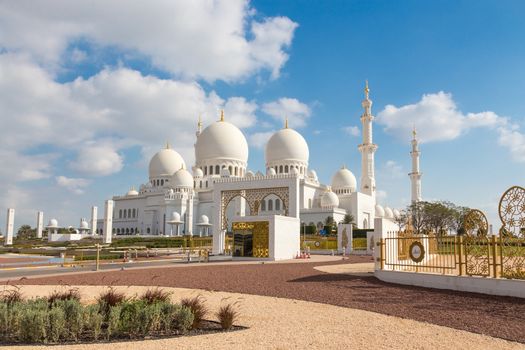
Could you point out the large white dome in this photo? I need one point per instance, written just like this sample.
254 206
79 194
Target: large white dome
329 200
221 140
380 212
389 214
344 181
286 145
182 178
165 162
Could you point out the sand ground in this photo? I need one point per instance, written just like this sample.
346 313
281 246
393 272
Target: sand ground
277 323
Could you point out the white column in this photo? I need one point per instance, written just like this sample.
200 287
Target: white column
39 224
108 222
9 229
367 148
94 220
415 175
189 215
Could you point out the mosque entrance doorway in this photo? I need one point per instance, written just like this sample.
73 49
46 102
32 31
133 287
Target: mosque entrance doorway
251 239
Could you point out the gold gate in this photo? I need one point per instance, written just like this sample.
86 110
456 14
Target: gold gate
259 232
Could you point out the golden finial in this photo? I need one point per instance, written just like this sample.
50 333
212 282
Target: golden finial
199 123
344 166
414 132
286 122
222 115
168 144
367 90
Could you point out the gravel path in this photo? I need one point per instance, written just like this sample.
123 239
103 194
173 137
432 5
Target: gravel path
276 323
502 317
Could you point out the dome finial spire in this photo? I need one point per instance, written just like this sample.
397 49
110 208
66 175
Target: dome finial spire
414 132
222 115
367 90
168 146
286 122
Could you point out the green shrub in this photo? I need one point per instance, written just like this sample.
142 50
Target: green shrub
183 318
227 315
33 323
113 321
74 313
108 299
93 321
197 308
56 324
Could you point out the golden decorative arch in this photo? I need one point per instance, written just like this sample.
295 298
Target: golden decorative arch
511 212
476 223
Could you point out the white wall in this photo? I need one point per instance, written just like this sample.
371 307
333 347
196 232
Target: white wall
284 237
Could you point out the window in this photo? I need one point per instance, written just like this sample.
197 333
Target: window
129 213
206 184
118 231
280 169
270 205
277 204
148 230
286 169
263 205
309 203
113 230
124 213
217 170
205 170
200 184
120 214
230 169
236 169
211 169
365 223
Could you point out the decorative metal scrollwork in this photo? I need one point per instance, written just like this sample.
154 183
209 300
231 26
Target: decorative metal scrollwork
512 212
477 255
476 223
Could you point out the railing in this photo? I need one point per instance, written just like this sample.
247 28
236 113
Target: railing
496 257
318 242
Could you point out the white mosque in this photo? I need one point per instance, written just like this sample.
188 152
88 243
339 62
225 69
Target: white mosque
176 201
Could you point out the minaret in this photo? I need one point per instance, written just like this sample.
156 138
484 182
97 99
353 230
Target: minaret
367 148
415 175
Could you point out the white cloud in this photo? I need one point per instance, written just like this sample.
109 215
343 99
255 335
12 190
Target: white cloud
393 169
75 185
78 55
240 112
97 160
291 108
259 139
352 130
213 40
437 118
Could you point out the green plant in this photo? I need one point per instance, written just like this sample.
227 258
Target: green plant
56 324
155 295
183 318
32 322
113 321
197 308
227 315
93 321
70 294
74 313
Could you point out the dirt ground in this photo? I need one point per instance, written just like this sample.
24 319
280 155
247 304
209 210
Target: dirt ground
276 323
502 317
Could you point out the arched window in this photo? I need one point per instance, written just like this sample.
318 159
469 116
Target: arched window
211 169
270 205
277 204
275 167
134 212
194 183
236 171
127 230
206 184
200 184
131 230
205 170
129 213
124 213
309 203
280 169
148 230
230 169
120 214
217 170
118 231
286 169
263 205
365 223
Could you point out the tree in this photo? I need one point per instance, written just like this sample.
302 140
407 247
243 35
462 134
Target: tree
416 210
349 219
26 232
402 219
458 219
438 217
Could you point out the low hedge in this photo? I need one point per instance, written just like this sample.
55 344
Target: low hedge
41 321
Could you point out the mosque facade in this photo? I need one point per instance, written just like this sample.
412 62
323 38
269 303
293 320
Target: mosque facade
175 201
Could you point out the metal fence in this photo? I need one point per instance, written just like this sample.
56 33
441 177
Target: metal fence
496 257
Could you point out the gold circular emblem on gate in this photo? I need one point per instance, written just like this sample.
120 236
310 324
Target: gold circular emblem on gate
417 252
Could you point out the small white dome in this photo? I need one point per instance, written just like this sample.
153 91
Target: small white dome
250 173
286 145
396 213
175 216
84 224
225 172
53 223
329 200
198 172
271 172
221 140
380 212
182 178
165 162
343 179
132 192
312 174
204 219
389 214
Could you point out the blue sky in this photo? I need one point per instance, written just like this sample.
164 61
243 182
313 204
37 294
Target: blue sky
89 91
